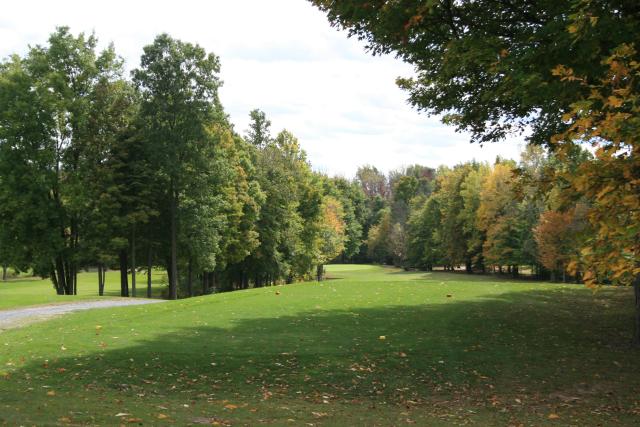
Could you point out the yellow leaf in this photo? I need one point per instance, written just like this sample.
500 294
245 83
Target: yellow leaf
51 393
553 416
614 101
231 406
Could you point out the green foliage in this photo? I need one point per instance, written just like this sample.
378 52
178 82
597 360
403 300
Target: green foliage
486 65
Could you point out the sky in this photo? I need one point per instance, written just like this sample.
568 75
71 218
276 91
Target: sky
282 57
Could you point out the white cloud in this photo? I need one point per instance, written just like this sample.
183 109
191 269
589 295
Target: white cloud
282 57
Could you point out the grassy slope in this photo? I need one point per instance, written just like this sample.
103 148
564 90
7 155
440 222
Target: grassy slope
494 352
24 291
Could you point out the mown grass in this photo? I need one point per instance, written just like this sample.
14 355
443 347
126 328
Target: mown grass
457 349
24 290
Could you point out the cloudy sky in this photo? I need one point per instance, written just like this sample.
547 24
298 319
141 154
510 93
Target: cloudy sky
280 56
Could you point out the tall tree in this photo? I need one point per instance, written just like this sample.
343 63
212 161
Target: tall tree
179 88
48 142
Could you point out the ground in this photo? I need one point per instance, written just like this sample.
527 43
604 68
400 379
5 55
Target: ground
371 346
25 290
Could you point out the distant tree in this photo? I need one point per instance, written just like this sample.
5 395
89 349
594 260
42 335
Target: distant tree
379 239
352 199
423 235
259 133
470 192
332 232
373 182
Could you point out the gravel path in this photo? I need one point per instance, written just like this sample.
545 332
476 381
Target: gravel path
22 316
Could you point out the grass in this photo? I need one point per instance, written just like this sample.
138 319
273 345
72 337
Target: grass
24 290
457 349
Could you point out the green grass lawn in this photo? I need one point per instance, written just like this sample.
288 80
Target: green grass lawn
24 291
457 349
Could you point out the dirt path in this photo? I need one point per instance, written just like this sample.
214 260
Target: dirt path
22 316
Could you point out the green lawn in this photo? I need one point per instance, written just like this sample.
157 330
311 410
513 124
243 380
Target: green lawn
457 349
24 291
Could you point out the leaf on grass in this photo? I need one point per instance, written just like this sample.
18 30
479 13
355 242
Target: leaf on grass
51 393
553 416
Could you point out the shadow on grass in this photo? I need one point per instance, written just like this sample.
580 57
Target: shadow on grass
528 345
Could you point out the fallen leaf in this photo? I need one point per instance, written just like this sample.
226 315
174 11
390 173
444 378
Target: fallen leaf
553 416
51 393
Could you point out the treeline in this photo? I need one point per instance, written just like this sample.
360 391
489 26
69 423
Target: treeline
101 170
482 217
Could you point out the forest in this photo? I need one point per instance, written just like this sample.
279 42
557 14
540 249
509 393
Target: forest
105 172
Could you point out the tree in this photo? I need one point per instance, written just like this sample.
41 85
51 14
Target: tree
332 232
352 199
566 70
497 215
379 239
259 133
554 242
481 62
423 235
46 142
179 88
609 119
470 191
373 182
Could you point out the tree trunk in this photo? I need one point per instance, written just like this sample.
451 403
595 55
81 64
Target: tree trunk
245 280
205 283
149 268
173 280
61 277
190 280
100 281
54 279
636 289
124 276
468 267
133 262
320 272
4 273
